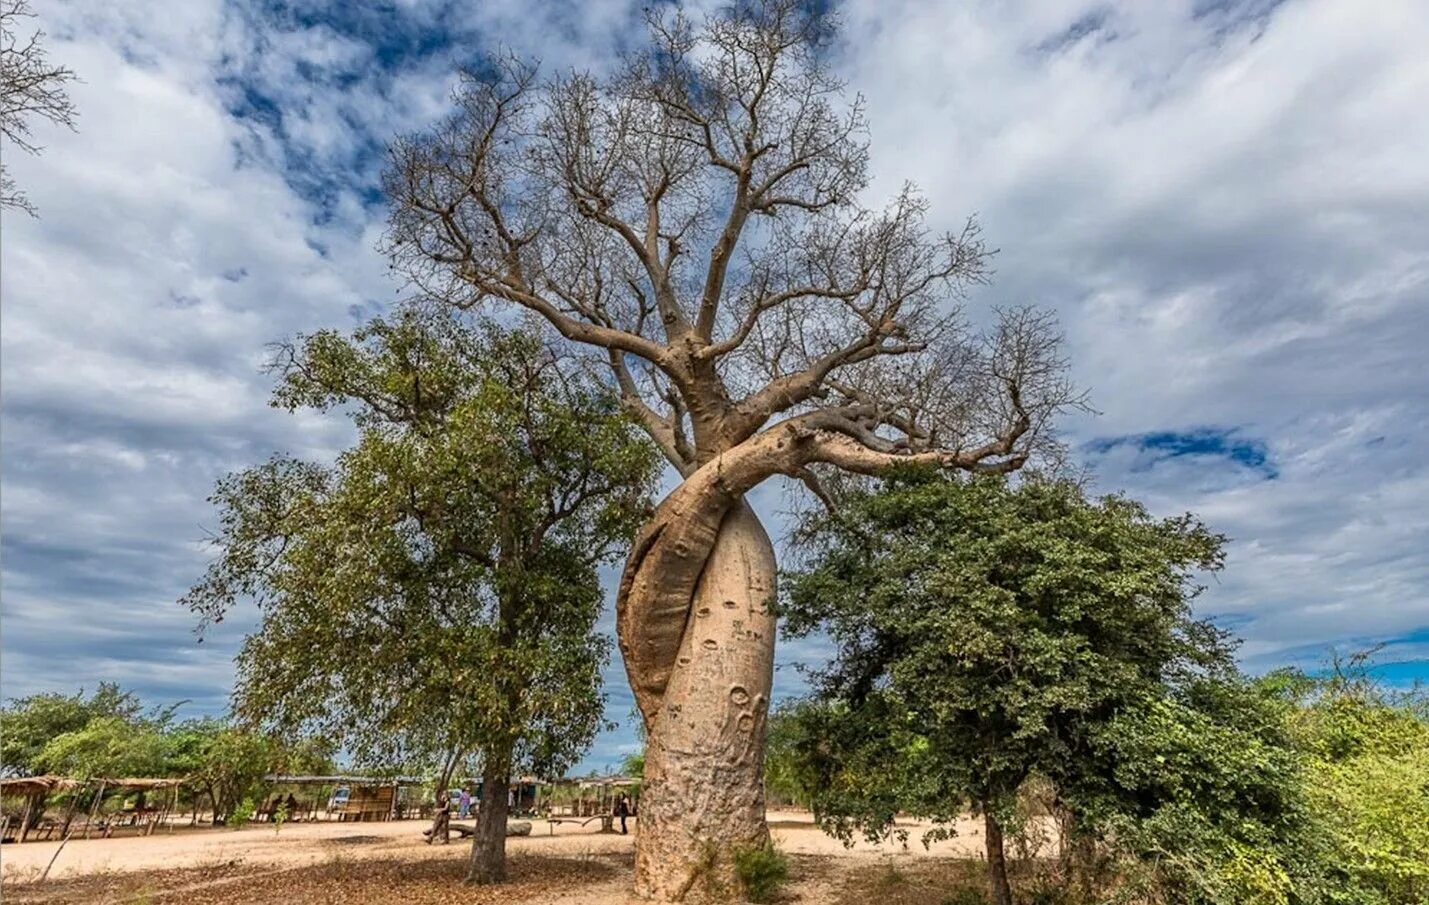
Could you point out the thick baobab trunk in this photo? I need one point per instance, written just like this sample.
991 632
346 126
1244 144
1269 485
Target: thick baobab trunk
702 797
488 842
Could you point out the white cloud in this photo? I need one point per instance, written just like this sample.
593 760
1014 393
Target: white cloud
1226 209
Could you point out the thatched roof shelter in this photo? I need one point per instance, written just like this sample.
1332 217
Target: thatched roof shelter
340 780
36 785
35 788
141 784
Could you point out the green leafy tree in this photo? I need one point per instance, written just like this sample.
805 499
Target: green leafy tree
633 765
108 746
28 725
433 594
786 769
1198 794
226 763
984 633
31 726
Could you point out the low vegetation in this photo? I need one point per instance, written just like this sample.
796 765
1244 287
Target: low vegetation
761 870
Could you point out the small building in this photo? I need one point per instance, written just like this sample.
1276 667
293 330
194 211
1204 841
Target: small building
145 816
591 795
367 798
33 790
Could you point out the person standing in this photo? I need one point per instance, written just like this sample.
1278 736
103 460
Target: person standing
622 810
464 803
442 818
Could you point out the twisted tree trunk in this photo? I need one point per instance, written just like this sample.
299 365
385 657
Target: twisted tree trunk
705 698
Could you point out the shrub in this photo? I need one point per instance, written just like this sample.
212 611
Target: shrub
280 816
242 814
761 871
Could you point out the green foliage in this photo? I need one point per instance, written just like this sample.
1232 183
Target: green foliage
988 635
29 725
787 772
108 746
1198 794
227 763
108 737
983 631
1368 777
241 814
762 871
633 765
435 591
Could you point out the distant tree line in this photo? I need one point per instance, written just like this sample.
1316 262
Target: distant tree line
108 734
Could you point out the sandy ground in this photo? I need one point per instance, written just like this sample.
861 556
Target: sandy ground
299 845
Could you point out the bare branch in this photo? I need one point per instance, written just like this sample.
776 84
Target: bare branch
30 88
580 200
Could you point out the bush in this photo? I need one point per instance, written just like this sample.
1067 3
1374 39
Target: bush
1368 755
242 814
761 871
280 816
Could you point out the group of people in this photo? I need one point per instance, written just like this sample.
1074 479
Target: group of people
289 808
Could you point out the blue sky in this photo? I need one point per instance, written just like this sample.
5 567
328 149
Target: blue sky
1224 201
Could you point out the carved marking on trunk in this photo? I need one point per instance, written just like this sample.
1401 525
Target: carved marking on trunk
704 695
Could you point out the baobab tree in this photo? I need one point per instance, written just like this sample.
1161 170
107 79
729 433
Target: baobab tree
694 219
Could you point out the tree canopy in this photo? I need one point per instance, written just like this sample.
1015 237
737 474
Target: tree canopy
28 725
432 595
983 633
992 640
109 735
1008 619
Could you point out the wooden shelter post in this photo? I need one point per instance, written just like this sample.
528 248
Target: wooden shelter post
25 821
94 809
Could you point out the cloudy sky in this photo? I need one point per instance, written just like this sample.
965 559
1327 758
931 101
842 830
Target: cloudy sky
1227 201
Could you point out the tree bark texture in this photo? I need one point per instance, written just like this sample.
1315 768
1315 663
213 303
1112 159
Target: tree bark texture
488 842
705 699
1000 890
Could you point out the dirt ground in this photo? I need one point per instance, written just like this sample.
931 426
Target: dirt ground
388 863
